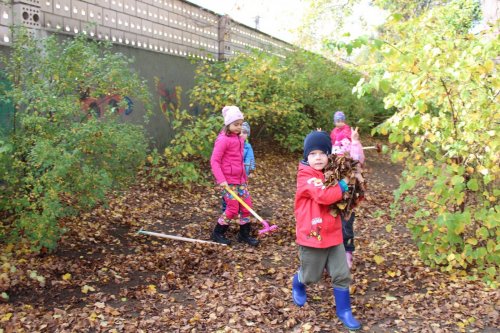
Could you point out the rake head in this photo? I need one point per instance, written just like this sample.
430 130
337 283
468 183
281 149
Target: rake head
267 228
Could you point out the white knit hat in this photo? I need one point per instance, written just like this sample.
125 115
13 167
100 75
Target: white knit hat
231 113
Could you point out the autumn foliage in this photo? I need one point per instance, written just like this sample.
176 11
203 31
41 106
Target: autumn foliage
444 83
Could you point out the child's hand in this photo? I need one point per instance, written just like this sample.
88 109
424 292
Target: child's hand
348 178
348 256
355 134
359 177
223 185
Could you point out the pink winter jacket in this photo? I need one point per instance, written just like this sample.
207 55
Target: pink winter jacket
227 159
340 133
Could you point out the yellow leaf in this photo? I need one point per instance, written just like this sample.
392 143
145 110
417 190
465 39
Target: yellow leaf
489 65
391 273
471 241
388 228
66 277
6 317
378 259
86 289
451 257
341 206
152 288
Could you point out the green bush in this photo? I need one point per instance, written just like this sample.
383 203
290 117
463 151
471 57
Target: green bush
63 160
282 99
444 83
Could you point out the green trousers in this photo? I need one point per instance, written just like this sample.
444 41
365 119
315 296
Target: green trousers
313 261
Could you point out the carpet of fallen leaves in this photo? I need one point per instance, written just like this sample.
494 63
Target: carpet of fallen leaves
106 278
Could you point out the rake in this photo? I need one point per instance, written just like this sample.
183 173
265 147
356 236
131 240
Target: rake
267 228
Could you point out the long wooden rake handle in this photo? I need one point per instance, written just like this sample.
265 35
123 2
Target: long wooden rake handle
184 239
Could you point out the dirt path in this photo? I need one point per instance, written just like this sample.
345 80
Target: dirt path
124 282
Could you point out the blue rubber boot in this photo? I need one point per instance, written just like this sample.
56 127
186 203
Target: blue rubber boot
344 312
298 291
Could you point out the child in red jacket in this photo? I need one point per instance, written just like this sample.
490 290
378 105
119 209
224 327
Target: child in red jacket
318 232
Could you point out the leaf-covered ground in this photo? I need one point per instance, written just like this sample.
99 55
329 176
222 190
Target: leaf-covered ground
106 278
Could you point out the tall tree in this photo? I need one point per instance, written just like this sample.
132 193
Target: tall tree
443 82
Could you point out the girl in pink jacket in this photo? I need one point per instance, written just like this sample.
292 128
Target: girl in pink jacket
229 170
341 130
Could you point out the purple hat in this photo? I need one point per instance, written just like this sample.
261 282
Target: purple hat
339 116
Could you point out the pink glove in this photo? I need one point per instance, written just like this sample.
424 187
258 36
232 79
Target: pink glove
348 256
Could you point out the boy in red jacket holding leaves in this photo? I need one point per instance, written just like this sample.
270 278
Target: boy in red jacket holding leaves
319 233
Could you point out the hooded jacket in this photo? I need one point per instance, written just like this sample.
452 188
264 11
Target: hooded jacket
315 226
340 133
227 159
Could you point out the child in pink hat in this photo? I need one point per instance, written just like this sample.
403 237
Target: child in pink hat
229 171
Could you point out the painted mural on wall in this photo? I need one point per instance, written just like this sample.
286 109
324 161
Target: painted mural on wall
97 106
170 102
167 98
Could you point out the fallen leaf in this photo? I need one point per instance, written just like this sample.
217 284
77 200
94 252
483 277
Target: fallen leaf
86 289
378 259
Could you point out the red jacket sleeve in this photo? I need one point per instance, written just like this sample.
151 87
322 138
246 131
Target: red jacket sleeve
216 160
312 187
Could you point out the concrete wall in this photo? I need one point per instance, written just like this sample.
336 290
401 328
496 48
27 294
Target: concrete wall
166 26
171 71
161 35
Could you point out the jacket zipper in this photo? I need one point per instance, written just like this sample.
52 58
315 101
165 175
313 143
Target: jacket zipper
241 159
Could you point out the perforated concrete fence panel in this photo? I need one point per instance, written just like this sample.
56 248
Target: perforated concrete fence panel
94 14
5 15
27 15
5 35
62 7
179 27
71 26
79 10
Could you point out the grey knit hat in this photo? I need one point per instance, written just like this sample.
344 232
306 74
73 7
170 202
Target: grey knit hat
246 127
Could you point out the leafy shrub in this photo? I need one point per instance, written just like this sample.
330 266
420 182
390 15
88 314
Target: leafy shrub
61 159
444 83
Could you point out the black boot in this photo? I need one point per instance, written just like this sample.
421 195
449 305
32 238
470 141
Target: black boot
218 234
244 235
